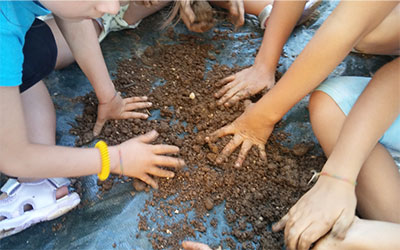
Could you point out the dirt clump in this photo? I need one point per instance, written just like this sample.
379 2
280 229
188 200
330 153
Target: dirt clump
203 14
254 195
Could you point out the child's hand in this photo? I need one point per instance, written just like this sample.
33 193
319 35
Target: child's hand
141 159
329 205
191 245
246 130
243 84
119 108
188 17
236 11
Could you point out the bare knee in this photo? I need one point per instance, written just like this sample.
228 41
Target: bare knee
318 108
326 120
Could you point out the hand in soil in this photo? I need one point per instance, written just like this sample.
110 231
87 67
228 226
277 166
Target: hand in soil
236 11
191 245
197 15
142 159
243 84
329 205
119 108
246 132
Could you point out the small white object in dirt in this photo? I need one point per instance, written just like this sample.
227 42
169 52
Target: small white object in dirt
192 96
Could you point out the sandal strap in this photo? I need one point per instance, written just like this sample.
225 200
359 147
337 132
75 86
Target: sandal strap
10 186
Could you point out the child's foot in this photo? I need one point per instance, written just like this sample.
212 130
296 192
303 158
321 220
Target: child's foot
23 204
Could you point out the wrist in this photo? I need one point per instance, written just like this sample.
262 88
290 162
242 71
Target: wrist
114 160
264 67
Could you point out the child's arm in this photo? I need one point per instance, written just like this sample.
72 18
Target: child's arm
19 157
250 81
82 39
331 203
348 23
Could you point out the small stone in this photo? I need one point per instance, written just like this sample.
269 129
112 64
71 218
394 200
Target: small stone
192 96
208 203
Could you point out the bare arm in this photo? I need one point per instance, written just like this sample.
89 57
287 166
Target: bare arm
82 39
22 158
283 19
330 45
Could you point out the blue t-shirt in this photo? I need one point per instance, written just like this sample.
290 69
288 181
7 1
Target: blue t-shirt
16 17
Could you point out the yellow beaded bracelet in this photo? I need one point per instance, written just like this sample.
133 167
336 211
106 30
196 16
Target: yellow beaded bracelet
105 160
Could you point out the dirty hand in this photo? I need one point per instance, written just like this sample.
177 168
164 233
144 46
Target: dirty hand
246 131
236 11
141 159
243 84
189 18
119 108
191 245
329 205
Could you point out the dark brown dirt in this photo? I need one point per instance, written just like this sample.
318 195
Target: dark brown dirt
256 194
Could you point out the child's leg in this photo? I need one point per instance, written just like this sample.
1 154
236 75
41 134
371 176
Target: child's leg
250 7
40 118
378 186
364 235
385 38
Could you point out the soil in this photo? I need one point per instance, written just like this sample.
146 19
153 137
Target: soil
255 195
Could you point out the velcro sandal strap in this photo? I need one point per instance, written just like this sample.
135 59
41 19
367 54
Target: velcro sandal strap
10 186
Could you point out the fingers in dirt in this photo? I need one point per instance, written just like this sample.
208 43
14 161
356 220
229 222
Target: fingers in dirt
219 133
263 154
167 161
136 99
134 115
237 97
229 148
165 149
137 105
98 126
280 224
246 146
146 178
148 137
155 171
226 80
231 92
